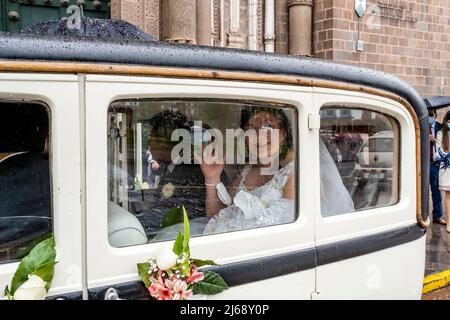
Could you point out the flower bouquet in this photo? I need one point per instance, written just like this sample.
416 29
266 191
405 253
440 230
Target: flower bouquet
174 275
34 275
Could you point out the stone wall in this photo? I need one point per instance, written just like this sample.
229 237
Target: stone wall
159 17
407 38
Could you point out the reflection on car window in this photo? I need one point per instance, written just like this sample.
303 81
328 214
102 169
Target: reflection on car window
25 196
230 163
364 147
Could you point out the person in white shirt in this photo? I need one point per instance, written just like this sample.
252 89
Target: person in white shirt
443 147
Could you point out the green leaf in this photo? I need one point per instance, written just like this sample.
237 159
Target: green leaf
143 269
211 284
200 263
39 257
174 216
178 245
187 233
8 294
46 273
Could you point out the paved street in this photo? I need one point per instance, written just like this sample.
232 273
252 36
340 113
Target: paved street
437 258
438 250
442 294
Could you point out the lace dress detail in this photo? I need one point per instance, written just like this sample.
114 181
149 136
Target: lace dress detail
262 206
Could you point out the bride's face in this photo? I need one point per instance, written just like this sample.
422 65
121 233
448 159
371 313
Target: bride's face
270 135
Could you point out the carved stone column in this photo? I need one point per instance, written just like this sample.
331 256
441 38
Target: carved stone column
269 26
234 36
260 25
252 24
216 22
281 26
127 10
204 23
151 17
144 14
115 9
179 20
300 27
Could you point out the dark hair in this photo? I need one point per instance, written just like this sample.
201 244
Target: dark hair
249 111
167 119
445 139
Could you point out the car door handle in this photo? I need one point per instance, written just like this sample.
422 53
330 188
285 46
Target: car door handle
112 294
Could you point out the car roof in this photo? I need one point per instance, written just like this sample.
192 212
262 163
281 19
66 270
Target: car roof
33 47
157 53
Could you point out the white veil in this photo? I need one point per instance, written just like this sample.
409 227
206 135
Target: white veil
334 197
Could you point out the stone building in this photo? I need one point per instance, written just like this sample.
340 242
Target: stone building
248 24
408 38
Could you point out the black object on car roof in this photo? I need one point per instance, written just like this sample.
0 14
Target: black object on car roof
437 102
89 27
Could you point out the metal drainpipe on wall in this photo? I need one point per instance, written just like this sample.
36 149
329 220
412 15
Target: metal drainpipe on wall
252 24
269 26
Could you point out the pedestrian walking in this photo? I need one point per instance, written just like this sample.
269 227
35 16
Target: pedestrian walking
435 127
442 142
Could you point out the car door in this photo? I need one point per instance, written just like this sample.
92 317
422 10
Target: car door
121 113
39 167
368 242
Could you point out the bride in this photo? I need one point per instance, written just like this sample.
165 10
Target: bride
259 199
255 199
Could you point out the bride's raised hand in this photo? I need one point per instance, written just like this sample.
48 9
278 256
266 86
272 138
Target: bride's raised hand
211 165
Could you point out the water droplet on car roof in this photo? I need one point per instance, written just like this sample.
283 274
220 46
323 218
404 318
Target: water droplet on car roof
90 27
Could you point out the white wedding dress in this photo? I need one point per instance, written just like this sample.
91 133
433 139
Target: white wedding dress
262 206
265 205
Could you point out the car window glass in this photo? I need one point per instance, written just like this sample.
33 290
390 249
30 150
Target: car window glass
230 163
25 188
360 151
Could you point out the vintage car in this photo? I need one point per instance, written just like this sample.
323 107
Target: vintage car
89 127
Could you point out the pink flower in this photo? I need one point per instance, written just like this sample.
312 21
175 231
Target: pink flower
160 292
195 276
178 288
158 288
173 288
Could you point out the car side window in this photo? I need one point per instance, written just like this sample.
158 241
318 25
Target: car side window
230 163
25 186
359 155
